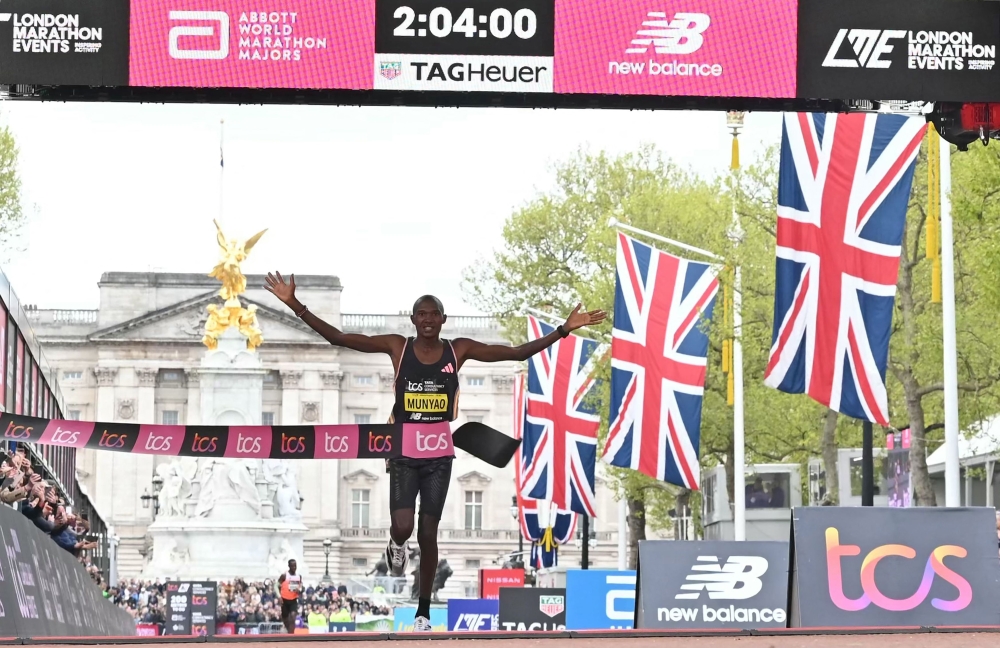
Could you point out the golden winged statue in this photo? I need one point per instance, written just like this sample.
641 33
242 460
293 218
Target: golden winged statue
231 313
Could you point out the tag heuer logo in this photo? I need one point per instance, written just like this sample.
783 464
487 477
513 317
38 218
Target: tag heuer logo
391 70
551 605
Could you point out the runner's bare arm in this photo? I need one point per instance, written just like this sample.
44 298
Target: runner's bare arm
390 344
285 291
467 349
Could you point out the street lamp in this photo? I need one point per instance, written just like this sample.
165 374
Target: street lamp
520 538
153 499
327 546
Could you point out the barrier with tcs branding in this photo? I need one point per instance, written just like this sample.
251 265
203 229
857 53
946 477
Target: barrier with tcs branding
45 591
711 584
764 49
894 567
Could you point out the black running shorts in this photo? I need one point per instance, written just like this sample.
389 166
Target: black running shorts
427 477
289 606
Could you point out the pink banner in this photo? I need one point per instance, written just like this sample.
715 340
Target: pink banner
707 48
380 441
236 44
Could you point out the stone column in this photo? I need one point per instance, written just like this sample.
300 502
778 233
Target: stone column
147 395
104 468
331 470
194 398
290 381
144 463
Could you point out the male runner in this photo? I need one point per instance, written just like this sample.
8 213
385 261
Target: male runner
290 584
425 365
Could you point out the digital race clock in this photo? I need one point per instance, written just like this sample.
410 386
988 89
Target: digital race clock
474 27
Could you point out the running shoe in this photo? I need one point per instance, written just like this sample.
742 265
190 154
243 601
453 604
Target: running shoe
397 559
422 624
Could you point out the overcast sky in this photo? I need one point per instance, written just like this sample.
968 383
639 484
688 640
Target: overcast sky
394 201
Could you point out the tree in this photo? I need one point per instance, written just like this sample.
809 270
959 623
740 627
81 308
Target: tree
916 349
558 250
11 215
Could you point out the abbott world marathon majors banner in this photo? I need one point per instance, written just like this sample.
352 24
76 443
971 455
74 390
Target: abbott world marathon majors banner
864 567
45 591
711 584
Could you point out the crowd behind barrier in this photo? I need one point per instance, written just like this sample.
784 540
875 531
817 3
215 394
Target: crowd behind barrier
251 607
24 488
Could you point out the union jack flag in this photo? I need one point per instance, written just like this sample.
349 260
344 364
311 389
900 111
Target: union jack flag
843 188
538 518
559 451
659 352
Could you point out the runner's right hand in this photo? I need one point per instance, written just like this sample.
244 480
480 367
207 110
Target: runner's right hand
276 286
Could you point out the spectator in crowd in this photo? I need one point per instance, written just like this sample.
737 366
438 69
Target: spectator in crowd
39 501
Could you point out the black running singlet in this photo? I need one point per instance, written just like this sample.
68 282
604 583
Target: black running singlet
426 393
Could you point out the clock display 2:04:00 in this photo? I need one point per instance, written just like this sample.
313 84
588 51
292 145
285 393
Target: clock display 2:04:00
500 23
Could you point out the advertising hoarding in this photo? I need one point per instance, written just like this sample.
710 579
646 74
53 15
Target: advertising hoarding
930 50
598 599
864 567
712 584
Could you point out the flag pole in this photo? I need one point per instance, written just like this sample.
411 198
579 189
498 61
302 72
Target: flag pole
614 222
734 120
952 495
222 166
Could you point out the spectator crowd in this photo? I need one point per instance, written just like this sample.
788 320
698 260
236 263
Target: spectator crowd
243 602
24 488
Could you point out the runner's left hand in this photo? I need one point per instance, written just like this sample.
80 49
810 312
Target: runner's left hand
577 319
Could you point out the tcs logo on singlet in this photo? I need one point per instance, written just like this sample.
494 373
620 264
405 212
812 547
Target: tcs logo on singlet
934 567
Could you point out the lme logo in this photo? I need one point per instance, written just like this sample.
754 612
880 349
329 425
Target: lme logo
934 567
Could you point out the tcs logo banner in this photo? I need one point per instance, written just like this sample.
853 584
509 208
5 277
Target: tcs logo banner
21 428
160 439
336 442
894 567
205 440
114 436
600 599
73 434
293 442
934 567
427 440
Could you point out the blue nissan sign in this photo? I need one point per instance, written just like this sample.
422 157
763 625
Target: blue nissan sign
599 599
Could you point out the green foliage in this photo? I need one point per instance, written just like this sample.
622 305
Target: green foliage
559 250
11 215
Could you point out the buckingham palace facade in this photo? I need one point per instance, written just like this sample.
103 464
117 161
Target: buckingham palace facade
135 359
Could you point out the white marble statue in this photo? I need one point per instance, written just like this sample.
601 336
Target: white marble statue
177 476
280 553
226 479
282 473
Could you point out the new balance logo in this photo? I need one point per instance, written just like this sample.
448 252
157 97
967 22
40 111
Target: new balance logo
869 45
682 35
738 579
448 369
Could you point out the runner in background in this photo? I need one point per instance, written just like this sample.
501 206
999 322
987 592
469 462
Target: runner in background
290 585
426 388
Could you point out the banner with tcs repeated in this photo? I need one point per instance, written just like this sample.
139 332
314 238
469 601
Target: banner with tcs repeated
418 441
